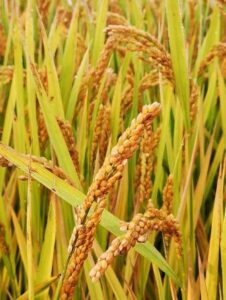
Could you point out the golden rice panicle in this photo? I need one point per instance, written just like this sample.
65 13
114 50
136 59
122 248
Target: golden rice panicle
144 168
82 91
223 68
102 63
43 7
115 19
6 74
3 40
131 33
105 260
160 221
170 229
42 130
114 7
43 77
67 132
4 162
222 6
127 98
218 50
157 135
49 165
167 205
194 101
4 249
148 80
63 17
81 49
97 133
110 81
84 236
141 41
145 164
137 231
108 174
105 133
192 26
168 195
127 144
149 160
80 244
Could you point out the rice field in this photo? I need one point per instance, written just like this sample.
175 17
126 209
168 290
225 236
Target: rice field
112 151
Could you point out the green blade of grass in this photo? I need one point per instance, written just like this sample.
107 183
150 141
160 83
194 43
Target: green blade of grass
47 252
82 134
75 197
178 49
54 132
213 255
68 61
99 32
54 92
222 91
223 255
39 288
116 100
30 260
211 38
76 87
21 240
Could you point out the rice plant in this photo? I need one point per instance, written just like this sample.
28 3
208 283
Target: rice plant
112 152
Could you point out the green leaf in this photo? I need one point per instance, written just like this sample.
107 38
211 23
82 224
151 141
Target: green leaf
75 197
213 254
21 240
68 61
54 92
223 255
39 288
54 131
178 50
76 87
99 32
47 252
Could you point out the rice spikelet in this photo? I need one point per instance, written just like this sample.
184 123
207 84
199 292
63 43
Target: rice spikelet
3 41
148 80
97 133
140 41
110 81
4 249
42 130
102 63
108 174
114 7
168 195
116 19
145 165
4 162
127 97
105 133
50 166
218 50
67 132
193 100
6 74
137 231
43 7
